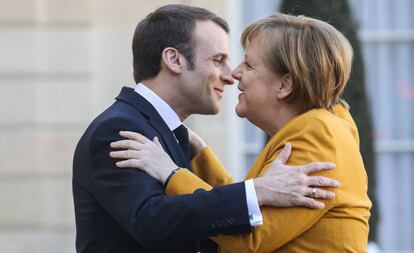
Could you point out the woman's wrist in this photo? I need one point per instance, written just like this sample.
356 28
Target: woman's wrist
196 146
164 173
168 178
196 143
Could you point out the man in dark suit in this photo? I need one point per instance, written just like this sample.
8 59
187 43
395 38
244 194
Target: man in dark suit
181 68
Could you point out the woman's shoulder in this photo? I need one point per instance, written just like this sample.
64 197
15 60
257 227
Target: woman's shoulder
311 134
314 119
321 124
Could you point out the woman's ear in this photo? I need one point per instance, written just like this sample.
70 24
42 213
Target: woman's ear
285 87
172 60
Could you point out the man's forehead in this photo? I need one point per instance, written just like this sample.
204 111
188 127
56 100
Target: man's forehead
212 52
210 31
211 37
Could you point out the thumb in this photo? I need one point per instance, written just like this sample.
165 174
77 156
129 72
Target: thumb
157 141
285 153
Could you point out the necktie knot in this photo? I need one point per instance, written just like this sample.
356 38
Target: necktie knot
181 133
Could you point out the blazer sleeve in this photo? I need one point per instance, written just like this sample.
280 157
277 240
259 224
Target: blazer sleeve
280 224
208 168
137 201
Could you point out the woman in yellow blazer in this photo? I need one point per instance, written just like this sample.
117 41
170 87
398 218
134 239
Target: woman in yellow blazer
294 71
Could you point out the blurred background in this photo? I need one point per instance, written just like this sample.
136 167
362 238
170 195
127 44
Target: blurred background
63 62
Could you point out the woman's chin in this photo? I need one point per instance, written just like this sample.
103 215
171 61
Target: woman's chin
240 112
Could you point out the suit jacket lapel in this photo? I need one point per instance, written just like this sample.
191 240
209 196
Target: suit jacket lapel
128 95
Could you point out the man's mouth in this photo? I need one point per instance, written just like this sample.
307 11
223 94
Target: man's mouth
219 92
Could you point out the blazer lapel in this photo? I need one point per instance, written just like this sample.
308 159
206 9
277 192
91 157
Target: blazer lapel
128 95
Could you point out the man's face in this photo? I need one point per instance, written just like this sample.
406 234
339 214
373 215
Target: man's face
203 87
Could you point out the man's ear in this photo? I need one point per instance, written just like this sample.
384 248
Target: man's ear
172 59
285 87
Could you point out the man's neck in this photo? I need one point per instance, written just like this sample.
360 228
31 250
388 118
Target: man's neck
167 91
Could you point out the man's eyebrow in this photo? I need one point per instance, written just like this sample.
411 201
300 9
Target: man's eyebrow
223 55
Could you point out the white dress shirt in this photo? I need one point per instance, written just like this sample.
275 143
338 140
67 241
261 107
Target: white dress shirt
173 121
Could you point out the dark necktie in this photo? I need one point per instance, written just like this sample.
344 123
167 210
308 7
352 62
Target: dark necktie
181 133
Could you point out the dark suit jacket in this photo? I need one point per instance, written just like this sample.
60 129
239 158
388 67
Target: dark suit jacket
125 210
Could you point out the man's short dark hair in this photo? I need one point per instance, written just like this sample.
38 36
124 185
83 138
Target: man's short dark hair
168 26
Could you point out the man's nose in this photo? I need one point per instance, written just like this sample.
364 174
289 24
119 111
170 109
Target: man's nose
227 77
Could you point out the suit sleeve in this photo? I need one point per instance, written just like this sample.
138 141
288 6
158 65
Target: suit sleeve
280 224
137 201
208 168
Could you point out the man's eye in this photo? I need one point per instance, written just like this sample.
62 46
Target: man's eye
218 61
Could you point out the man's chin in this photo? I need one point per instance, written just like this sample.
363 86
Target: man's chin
215 111
216 108
209 111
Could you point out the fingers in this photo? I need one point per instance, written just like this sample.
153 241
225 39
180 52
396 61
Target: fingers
317 166
130 163
124 154
310 203
134 136
126 144
156 141
320 181
284 154
319 194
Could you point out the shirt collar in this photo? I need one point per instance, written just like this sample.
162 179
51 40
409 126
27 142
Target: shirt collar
166 112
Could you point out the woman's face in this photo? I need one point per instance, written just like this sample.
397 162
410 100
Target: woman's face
258 85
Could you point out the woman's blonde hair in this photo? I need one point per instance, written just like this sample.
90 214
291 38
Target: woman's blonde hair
316 55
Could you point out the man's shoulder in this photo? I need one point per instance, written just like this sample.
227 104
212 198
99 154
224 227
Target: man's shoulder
119 114
106 126
117 111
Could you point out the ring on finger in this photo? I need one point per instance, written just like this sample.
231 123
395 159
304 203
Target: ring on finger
313 193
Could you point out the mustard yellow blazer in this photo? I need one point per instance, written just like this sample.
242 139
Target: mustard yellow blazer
317 135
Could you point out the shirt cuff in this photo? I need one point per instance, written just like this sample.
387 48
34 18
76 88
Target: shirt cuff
255 215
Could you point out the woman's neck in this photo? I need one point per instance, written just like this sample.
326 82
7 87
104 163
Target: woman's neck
275 121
